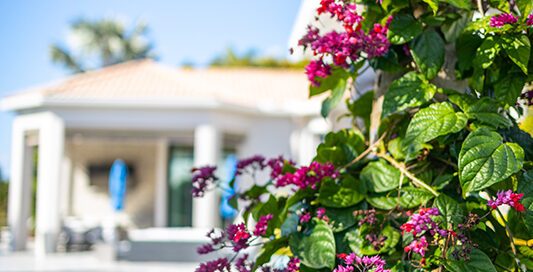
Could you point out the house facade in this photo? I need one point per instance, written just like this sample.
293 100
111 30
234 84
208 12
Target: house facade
160 121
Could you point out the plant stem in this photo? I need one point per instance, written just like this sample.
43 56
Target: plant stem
402 169
513 247
368 150
480 7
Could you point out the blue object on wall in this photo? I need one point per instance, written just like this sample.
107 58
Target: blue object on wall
117 184
230 164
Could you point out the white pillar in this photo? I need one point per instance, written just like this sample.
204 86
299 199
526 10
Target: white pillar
19 186
51 149
207 146
161 184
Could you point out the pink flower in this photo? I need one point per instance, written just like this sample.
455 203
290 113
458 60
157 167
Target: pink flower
352 261
509 198
202 178
305 217
239 236
276 165
502 19
418 246
529 21
221 264
256 162
420 222
308 176
262 224
317 68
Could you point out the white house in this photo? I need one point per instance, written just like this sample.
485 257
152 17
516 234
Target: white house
161 121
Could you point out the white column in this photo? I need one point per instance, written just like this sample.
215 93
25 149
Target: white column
51 149
207 146
19 186
161 184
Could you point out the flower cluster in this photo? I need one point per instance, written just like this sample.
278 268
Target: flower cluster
202 178
221 265
501 19
509 198
345 46
529 20
321 214
243 265
262 224
370 217
419 223
352 262
276 165
217 241
256 162
293 265
239 236
310 176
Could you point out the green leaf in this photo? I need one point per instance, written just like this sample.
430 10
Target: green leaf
389 62
335 97
502 5
433 4
360 245
428 52
466 47
479 262
315 249
518 49
380 176
290 225
509 87
343 218
487 52
330 82
384 201
464 4
522 138
485 160
395 148
449 209
268 249
411 90
403 28
348 193
411 197
486 111
453 28
525 7
362 107
436 120
341 147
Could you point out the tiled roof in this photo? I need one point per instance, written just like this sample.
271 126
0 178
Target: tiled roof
147 80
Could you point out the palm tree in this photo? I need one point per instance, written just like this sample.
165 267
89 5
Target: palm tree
101 43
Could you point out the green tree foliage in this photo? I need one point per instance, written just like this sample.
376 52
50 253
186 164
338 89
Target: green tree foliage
250 59
100 43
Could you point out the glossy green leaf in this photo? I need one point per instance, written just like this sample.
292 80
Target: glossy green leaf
518 49
334 99
433 4
341 219
379 176
330 82
360 245
362 107
428 52
525 7
403 28
466 47
411 90
486 111
341 147
464 4
522 138
315 249
347 193
502 5
411 197
479 262
485 160
509 87
453 28
487 52
436 120
449 209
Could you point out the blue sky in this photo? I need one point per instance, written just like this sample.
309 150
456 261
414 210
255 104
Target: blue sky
182 31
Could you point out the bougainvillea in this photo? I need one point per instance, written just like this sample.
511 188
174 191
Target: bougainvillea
435 173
